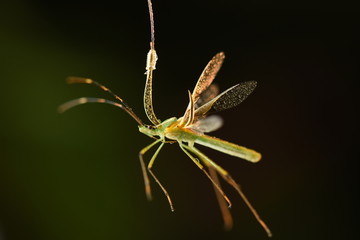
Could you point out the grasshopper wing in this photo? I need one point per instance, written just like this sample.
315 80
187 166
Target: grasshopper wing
227 99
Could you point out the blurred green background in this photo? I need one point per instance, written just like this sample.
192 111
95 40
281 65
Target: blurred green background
77 175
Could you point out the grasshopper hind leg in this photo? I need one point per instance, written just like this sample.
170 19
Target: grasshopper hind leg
225 211
197 162
226 176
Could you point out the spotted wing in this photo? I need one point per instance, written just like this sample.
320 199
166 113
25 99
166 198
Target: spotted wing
227 99
208 75
204 81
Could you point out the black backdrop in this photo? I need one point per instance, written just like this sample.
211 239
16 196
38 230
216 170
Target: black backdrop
77 176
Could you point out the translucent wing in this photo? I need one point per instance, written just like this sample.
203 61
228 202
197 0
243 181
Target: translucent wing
206 78
227 99
209 93
209 124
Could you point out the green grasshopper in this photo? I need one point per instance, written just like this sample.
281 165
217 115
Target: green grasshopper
189 129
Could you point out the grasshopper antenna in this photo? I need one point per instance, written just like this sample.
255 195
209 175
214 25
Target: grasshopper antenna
122 104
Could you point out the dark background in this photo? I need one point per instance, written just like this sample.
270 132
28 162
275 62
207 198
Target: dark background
77 175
